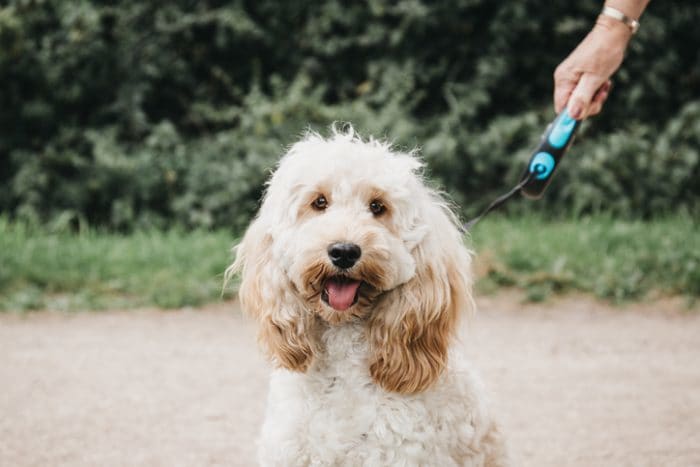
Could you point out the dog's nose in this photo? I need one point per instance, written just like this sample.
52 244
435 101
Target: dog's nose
344 255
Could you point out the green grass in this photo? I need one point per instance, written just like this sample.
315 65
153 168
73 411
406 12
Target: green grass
611 259
95 270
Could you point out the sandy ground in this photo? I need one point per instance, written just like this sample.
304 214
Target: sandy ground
574 383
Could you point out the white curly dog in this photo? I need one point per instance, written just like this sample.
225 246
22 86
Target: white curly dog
357 275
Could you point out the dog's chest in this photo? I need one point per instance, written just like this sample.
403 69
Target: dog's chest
335 414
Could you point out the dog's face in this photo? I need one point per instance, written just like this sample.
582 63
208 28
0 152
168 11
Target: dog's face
345 226
348 231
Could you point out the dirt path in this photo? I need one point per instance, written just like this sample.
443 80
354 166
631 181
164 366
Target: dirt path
574 382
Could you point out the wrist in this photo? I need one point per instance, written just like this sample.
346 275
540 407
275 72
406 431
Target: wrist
633 9
618 31
621 16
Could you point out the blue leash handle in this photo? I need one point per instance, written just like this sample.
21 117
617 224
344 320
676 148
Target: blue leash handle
549 152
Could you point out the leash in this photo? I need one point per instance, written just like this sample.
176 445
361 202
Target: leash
554 143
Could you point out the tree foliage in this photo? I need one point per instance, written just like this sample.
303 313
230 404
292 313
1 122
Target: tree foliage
127 114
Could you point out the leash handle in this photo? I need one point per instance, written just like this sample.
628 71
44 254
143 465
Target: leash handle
549 152
544 160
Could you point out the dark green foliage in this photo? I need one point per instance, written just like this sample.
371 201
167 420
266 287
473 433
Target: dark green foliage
124 114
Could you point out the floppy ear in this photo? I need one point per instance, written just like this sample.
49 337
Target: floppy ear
412 328
285 327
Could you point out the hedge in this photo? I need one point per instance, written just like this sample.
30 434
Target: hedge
133 114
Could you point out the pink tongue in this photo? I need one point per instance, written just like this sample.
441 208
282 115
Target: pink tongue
341 295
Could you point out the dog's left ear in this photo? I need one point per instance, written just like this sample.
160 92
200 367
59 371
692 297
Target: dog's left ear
413 325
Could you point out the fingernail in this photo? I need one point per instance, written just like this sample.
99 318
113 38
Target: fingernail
576 110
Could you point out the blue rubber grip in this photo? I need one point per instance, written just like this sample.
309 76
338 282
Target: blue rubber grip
562 131
542 165
545 158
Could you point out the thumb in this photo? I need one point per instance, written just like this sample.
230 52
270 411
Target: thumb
582 96
562 91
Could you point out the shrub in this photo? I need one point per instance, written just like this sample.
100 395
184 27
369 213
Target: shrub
125 114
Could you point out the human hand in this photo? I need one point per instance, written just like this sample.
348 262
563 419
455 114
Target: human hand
582 80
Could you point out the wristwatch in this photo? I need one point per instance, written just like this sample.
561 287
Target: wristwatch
633 24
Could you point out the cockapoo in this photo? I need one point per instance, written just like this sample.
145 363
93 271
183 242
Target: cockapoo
357 274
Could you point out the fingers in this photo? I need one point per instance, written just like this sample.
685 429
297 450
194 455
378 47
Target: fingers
599 99
581 101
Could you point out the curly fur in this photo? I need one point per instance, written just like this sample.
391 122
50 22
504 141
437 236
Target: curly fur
375 384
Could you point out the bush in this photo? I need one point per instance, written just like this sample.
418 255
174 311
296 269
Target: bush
125 114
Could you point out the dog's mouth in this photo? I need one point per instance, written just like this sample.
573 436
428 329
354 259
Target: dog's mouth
340 292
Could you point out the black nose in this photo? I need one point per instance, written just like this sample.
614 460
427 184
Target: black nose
344 255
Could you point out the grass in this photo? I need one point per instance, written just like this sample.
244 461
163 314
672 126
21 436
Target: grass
611 259
95 270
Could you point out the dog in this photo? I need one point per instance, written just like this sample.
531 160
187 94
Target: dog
357 275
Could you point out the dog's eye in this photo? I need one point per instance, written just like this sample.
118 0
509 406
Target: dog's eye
377 207
320 203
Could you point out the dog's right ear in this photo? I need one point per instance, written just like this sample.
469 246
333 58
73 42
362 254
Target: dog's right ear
285 328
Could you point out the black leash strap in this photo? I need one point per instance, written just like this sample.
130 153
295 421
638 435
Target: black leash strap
499 201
